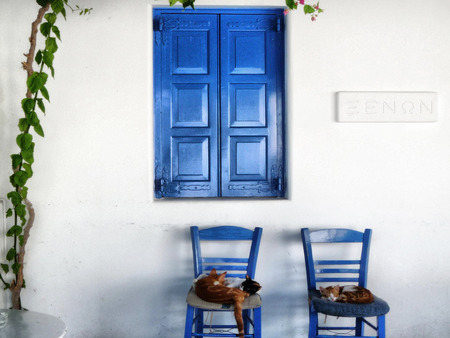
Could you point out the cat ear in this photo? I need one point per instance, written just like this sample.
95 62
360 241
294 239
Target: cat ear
222 277
322 288
247 277
213 272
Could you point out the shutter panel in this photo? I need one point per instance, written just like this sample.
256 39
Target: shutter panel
186 138
252 61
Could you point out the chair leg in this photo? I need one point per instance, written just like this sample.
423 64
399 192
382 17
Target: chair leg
381 326
189 322
359 327
257 322
313 323
198 321
246 315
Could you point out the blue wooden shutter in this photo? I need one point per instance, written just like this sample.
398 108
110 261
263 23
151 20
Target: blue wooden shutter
219 116
252 64
186 143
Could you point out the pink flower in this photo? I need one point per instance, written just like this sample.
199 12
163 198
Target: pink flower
286 11
302 2
313 18
316 7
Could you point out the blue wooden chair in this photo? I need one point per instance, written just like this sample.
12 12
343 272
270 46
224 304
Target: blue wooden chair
334 271
236 267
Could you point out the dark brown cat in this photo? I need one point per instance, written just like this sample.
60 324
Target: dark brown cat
212 289
347 294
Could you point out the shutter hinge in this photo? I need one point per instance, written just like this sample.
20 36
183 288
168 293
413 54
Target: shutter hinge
278 24
160 187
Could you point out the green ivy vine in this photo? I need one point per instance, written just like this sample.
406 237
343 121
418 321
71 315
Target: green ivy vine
33 106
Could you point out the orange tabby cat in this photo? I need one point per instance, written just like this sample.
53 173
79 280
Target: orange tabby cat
347 294
212 289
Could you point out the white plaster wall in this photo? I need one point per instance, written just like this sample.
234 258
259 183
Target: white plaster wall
110 261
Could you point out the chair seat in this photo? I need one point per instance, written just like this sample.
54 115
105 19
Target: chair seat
252 302
377 308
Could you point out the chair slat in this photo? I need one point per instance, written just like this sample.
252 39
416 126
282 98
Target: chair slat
226 233
335 279
224 260
337 270
337 262
225 267
336 236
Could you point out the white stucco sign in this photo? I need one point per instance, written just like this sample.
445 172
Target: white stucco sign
386 107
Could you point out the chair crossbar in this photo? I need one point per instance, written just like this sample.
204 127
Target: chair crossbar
345 328
369 324
335 279
224 260
337 262
337 270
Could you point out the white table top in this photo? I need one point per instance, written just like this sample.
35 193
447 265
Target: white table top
29 324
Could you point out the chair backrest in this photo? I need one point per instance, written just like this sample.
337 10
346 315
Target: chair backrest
334 271
239 266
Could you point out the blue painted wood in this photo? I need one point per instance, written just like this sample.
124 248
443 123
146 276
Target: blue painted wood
203 149
251 152
186 124
247 266
333 276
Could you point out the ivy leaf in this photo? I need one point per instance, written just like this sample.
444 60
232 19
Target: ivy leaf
291 4
27 105
44 92
15 230
15 198
23 124
57 32
11 254
16 160
48 58
21 210
9 212
28 155
51 18
308 9
21 241
41 105
51 45
15 268
57 6
33 119
28 170
38 129
45 28
24 141
42 3
24 192
36 81
63 12
5 268
38 57
20 178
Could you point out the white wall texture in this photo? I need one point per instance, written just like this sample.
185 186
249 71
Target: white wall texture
111 261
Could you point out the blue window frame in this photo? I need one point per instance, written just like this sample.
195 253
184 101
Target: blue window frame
219 113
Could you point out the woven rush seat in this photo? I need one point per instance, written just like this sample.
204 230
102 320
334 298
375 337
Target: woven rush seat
377 308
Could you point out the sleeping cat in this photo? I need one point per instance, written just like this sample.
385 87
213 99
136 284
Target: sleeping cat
212 289
250 286
347 294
